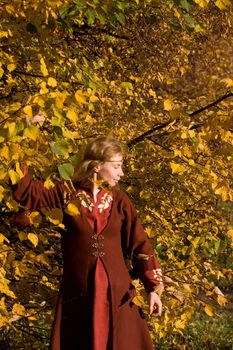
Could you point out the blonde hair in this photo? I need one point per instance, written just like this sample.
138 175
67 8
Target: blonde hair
98 151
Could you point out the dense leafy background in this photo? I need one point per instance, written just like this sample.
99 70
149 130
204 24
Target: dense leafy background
158 75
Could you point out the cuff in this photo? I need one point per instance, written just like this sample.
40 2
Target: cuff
153 280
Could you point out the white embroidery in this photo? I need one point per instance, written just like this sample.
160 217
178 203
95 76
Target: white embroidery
105 202
158 276
86 201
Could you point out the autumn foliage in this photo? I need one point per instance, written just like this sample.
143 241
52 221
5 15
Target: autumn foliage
158 76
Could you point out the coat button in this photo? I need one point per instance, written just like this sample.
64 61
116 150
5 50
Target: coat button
100 254
97 245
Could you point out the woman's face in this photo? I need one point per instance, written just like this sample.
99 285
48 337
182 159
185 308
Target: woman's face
111 171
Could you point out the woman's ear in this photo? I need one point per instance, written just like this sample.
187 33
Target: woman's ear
97 168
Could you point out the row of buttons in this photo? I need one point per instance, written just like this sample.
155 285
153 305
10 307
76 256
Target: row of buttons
98 245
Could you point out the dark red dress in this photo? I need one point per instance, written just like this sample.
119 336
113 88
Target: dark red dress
95 309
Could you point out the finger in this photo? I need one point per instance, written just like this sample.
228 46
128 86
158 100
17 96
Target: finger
156 310
151 307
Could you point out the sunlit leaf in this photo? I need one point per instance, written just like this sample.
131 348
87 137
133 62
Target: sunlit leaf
52 82
33 238
209 310
73 208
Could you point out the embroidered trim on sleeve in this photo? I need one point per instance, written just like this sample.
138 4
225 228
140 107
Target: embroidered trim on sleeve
158 275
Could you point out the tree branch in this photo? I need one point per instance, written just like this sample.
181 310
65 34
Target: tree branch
212 104
147 133
160 126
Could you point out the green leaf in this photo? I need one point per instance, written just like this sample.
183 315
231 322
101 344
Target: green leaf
189 20
127 85
66 170
186 5
60 148
91 15
120 17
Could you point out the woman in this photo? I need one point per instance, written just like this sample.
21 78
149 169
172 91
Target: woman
95 309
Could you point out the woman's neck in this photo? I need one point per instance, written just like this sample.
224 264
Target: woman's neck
95 191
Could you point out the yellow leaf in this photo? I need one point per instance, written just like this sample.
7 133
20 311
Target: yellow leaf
72 116
14 176
152 93
149 218
191 162
35 218
150 233
177 153
32 237
43 88
10 9
221 300
138 300
28 110
43 67
1 72
18 170
180 324
22 236
1 193
168 105
3 34
18 309
72 208
209 310
55 216
222 4
32 132
89 119
4 152
3 238
222 191
52 82
43 259
48 183
230 235
177 168
94 98
188 288
80 96
11 67
228 82
12 204
20 269
60 99
4 287
202 3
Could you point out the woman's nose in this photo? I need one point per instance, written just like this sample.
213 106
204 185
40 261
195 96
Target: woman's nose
121 172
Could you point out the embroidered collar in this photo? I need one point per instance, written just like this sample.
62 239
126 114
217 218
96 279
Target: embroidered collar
87 201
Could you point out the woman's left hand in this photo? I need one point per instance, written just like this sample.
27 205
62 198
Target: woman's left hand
155 304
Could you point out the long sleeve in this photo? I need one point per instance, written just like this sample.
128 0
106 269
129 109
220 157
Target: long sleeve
32 194
139 250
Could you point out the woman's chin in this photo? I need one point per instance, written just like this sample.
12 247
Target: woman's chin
112 183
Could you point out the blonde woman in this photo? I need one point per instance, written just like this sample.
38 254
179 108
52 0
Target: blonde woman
95 309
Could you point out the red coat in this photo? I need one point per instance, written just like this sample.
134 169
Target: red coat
123 237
